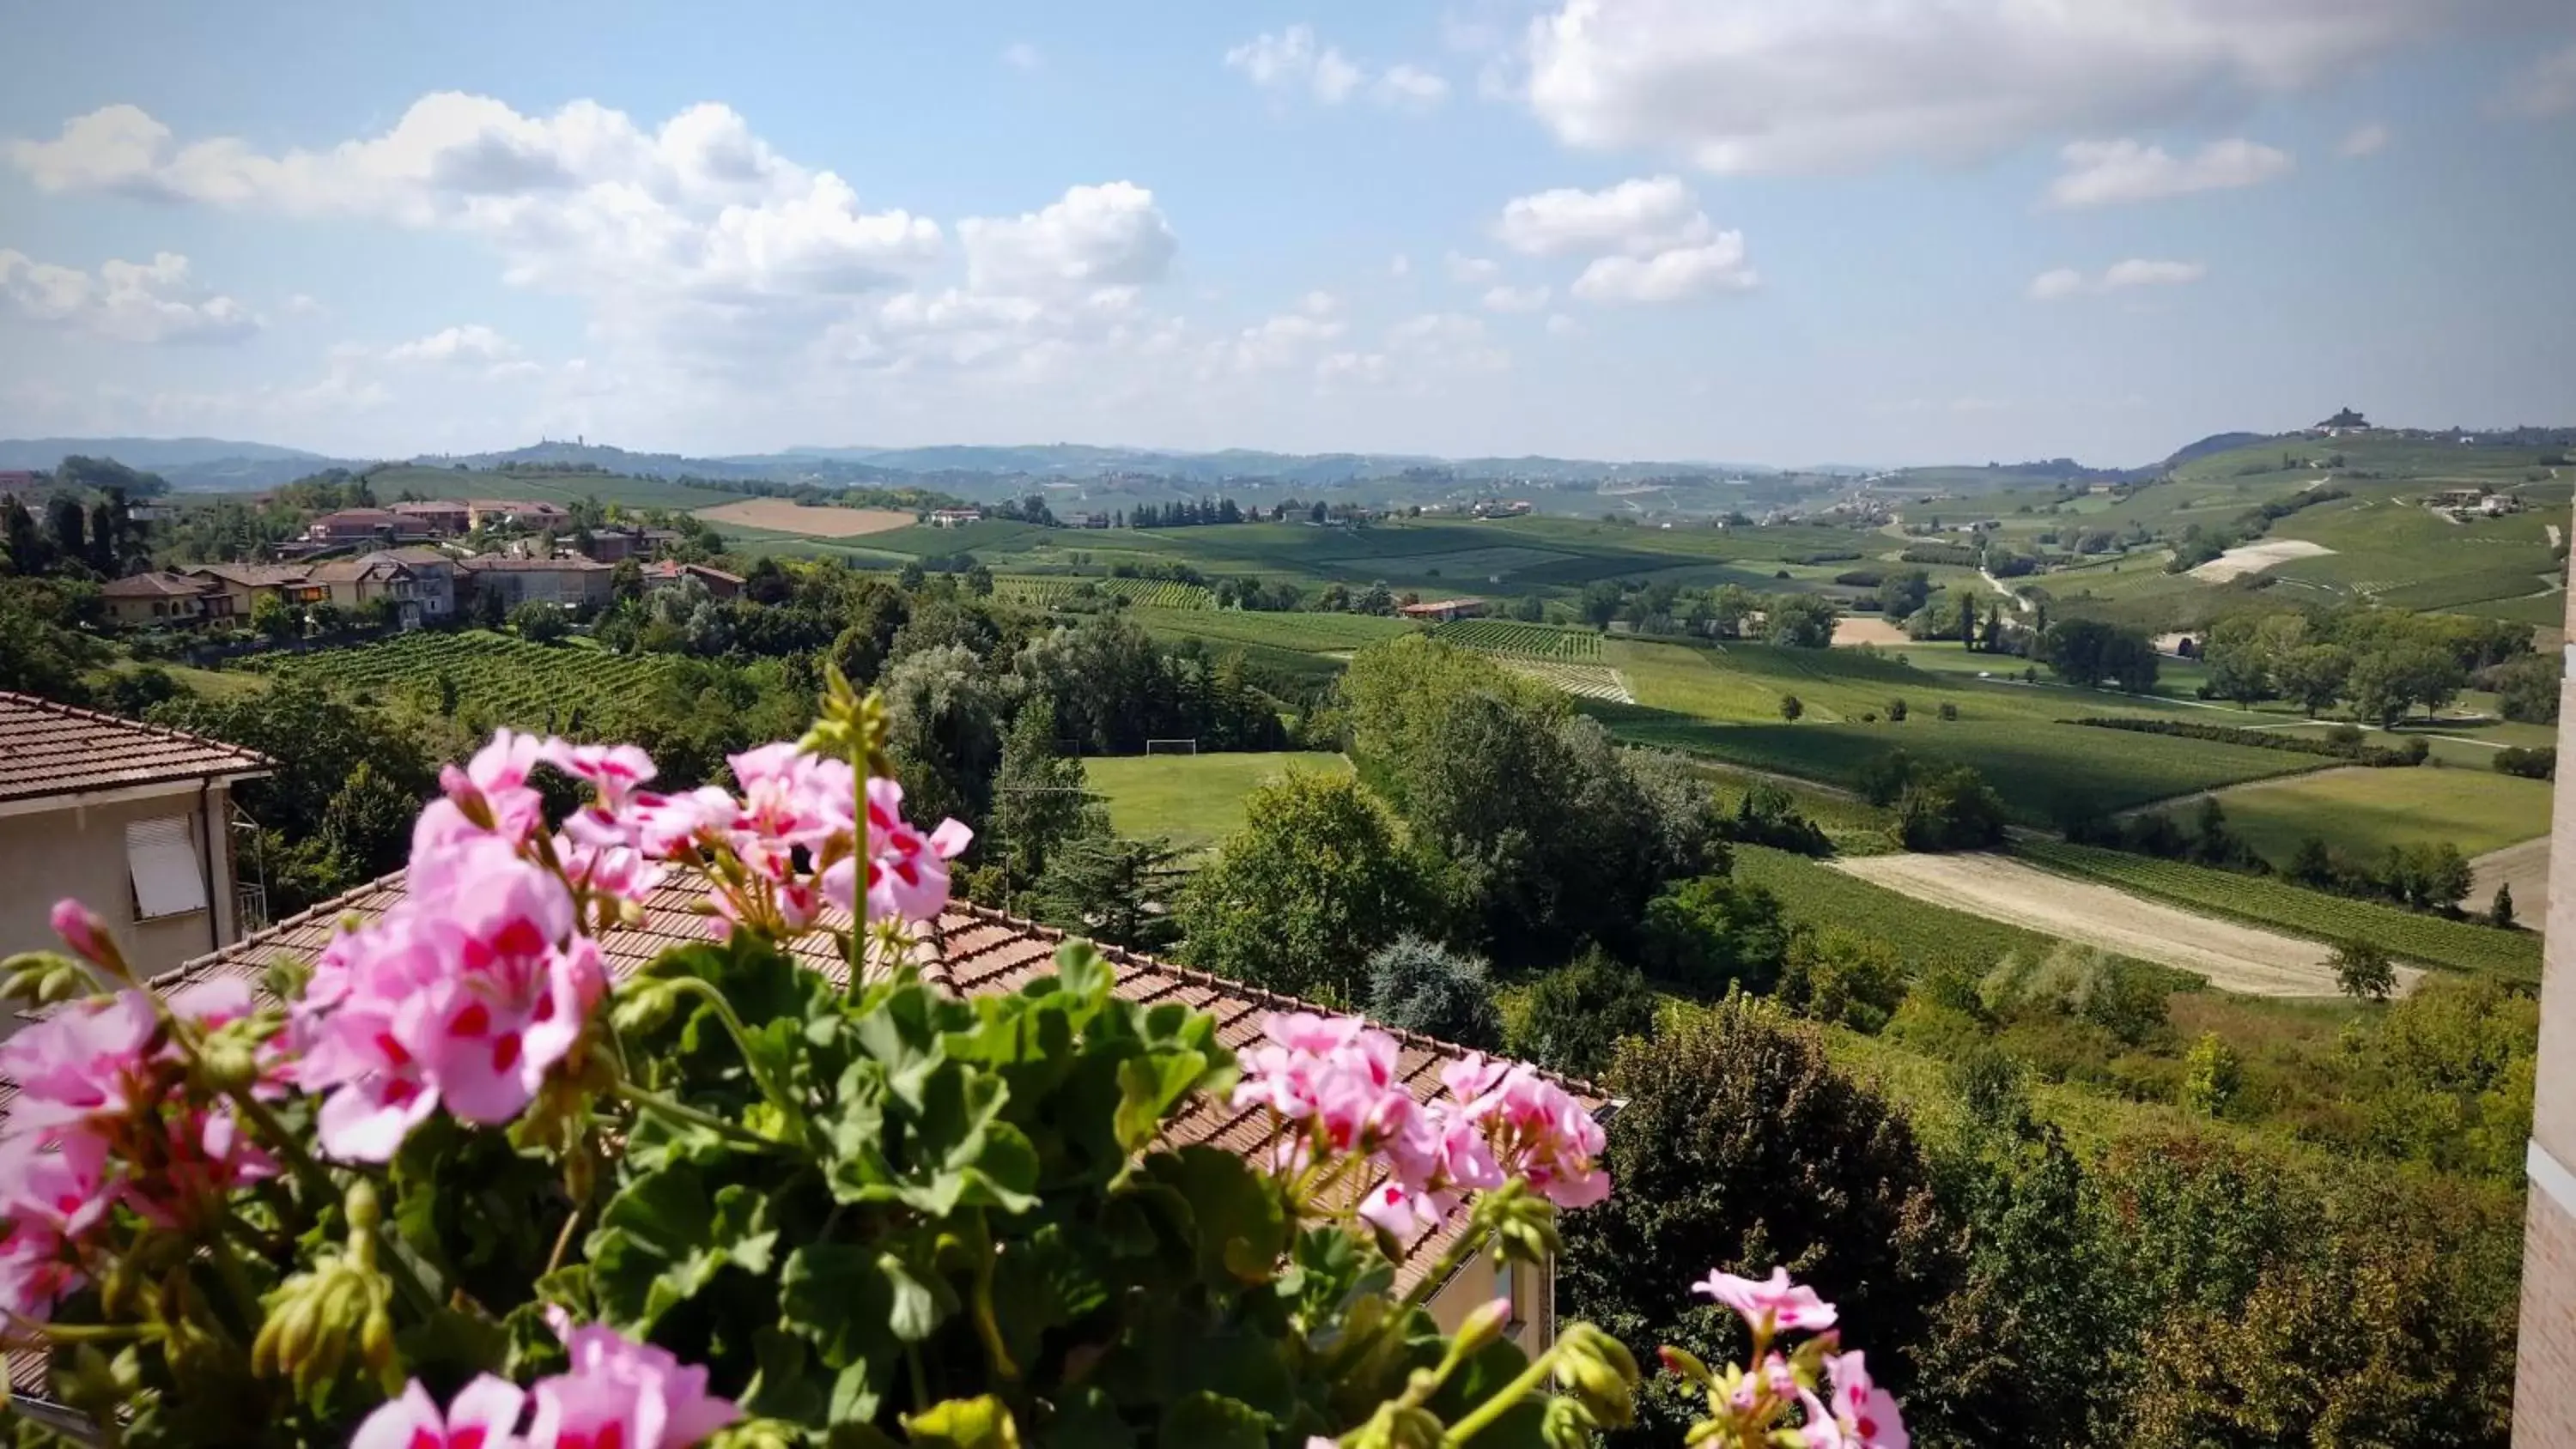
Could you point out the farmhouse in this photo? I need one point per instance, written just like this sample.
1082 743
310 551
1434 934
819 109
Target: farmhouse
442 517
157 598
955 517
352 525
565 581
514 513
130 818
669 574
1444 610
18 481
241 586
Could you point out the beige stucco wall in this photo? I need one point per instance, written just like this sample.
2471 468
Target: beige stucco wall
79 851
2544 1406
1480 1283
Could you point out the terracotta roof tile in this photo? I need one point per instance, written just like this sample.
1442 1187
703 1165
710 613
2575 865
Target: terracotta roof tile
51 749
154 586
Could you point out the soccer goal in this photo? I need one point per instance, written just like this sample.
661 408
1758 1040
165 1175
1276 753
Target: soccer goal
1172 747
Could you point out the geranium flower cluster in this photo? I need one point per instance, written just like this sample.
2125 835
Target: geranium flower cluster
103 1118
1334 1080
619 1394
1853 1412
471 990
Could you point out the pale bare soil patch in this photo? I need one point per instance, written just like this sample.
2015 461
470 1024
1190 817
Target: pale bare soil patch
1856 629
2232 957
2525 867
2253 558
782 516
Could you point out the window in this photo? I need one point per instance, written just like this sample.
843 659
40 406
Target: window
162 857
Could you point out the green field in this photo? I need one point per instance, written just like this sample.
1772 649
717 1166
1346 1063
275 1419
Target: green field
2362 812
523 685
2268 902
1046 592
1523 641
1193 800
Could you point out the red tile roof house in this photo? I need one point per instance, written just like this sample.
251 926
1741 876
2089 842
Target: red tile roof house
981 952
158 598
131 818
357 525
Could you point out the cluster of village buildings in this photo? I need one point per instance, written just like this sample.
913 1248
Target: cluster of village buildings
357 556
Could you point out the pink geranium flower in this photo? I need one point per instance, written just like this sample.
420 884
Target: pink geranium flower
1770 1304
907 870
82 1061
620 1392
483 1415
49 1199
83 931
1865 1414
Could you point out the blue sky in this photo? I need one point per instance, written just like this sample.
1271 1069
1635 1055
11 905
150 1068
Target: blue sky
1788 231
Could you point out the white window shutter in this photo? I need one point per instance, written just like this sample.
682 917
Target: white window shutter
163 858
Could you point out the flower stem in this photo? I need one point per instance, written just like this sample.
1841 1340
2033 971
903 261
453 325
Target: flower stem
686 1115
1484 1415
704 991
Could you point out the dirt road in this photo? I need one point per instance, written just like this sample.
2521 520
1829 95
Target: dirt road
2234 957
2525 867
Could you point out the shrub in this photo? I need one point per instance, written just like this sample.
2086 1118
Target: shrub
1791 707
1842 977
1418 985
1712 933
2333 746
1574 1018
2363 971
2531 764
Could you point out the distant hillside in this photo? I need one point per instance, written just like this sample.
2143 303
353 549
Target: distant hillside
2214 443
158 455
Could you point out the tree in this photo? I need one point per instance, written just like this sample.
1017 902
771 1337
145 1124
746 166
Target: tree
1803 621
2211 1075
1315 882
539 622
2363 971
1896 710
1738 1144
943 726
1968 620
69 527
1903 592
2240 660
1041 798
1791 707
2386 683
1416 984
2527 688
367 823
1574 1017
1842 977
2314 675
2500 915
2090 653
489 611
1113 890
1713 933
271 615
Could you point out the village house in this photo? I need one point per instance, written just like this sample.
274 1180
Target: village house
571 582
433 574
955 517
357 583
670 574
144 600
240 587
611 543
361 525
444 518
515 513
1443 610
130 819
19 481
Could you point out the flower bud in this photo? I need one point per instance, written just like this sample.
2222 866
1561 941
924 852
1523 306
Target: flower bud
1682 1363
87 935
1484 1325
43 978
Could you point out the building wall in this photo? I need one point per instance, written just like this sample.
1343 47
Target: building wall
1480 1282
79 851
2544 1401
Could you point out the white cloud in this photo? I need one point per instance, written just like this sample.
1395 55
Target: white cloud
1293 61
1290 61
151 302
1471 271
1823 85
1410 88
2117 173
1417 355
1515 299
1284 341
1680 274
2365 140
472 342
1649 214
1097 236
1400 265
1561 325
2064 282
303 304
2546 87
1023 57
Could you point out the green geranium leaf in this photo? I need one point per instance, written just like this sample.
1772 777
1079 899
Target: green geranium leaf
1147 1088
1240 1224
837 1296
784 1386
663 1239
1212 1421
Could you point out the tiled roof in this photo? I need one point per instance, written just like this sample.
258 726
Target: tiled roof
49 749
981 952
154 586
354 570
253 575
486 563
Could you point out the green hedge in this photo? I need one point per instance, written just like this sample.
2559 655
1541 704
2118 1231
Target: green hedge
2377 756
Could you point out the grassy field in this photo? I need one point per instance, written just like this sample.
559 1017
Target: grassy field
2363 812
1193 800
2514 955
1725 704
